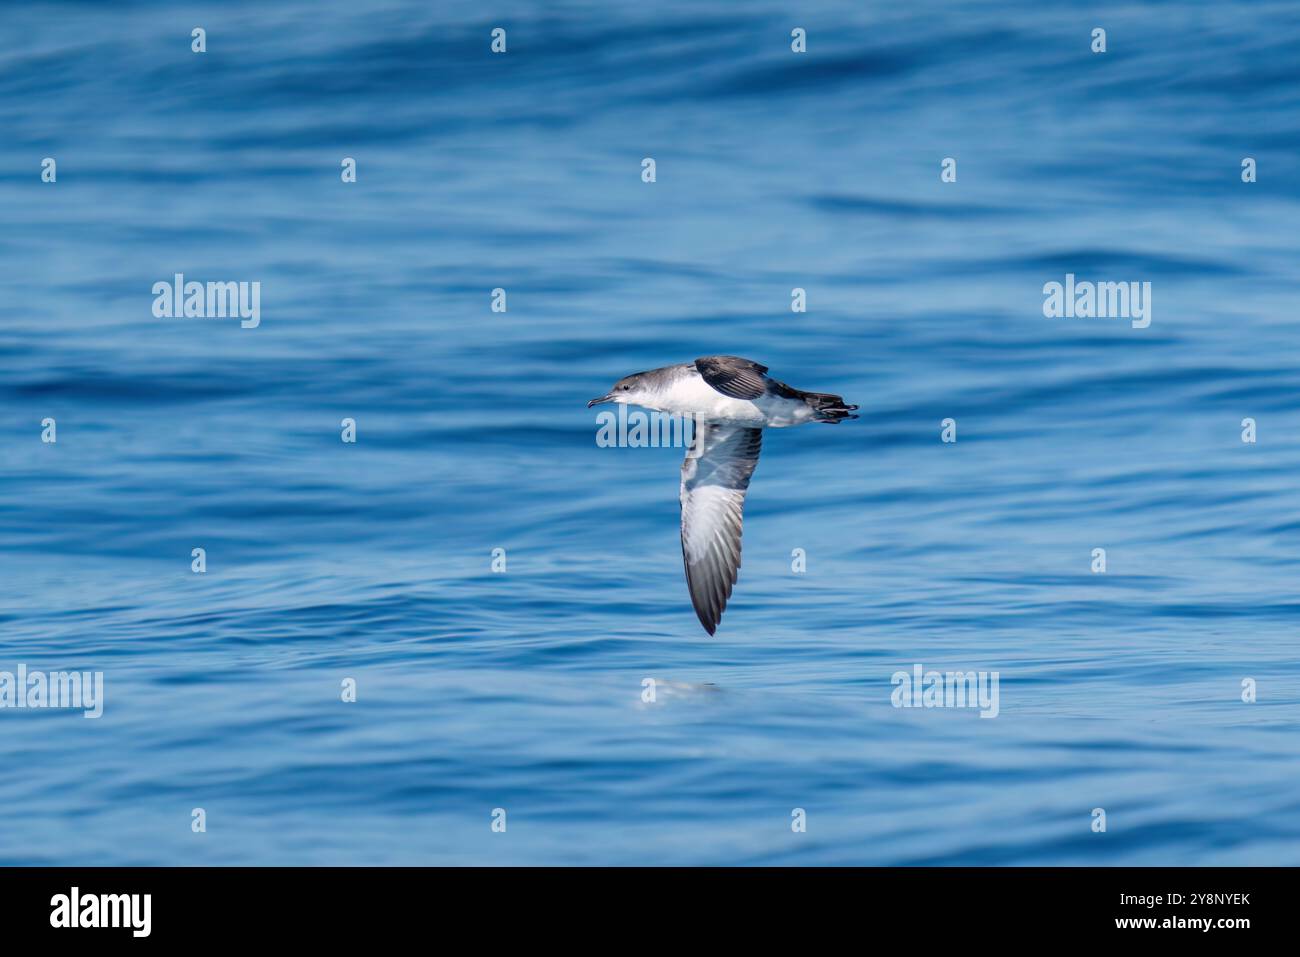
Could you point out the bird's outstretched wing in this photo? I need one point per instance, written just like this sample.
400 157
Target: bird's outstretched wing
733 376
715 477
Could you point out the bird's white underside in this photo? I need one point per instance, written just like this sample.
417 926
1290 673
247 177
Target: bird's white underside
690 395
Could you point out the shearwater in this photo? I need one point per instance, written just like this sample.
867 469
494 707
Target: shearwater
731 401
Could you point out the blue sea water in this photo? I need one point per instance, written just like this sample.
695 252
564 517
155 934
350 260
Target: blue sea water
523 690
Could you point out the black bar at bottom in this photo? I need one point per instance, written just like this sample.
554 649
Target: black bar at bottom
333 906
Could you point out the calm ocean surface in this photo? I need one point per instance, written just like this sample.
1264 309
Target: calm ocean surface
522 690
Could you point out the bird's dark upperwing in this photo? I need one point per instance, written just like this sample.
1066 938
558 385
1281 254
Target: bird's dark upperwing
715 477
733 376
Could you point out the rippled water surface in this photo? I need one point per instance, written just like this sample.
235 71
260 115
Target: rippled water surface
522 690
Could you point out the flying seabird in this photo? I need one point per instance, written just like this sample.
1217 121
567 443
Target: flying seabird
731 401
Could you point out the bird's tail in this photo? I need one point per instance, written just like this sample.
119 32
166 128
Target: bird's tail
827 407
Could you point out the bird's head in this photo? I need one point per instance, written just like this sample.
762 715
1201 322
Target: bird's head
629 390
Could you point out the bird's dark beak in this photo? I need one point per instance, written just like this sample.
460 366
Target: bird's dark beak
603 398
